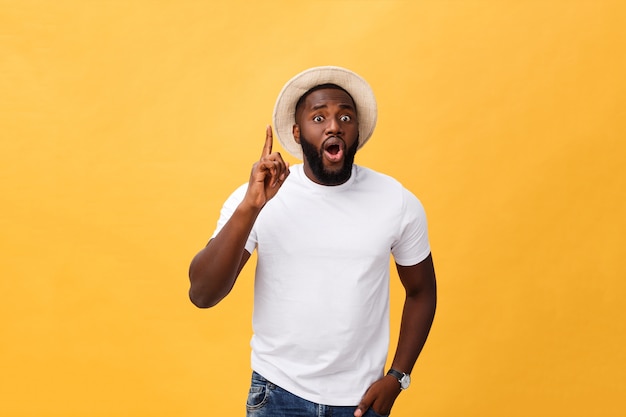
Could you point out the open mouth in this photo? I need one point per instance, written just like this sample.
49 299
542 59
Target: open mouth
334 149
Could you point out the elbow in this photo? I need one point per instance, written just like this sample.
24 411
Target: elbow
207 286
201 299
199 294
198 302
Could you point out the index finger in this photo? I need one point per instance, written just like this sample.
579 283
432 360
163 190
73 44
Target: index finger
269 139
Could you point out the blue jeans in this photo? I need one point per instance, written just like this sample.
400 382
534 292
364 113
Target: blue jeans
269 400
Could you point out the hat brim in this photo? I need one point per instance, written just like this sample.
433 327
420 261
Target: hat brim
285 108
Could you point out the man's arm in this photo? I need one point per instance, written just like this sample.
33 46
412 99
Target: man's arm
214 270
419 310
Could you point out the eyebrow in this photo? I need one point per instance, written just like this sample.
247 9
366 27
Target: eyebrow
341 105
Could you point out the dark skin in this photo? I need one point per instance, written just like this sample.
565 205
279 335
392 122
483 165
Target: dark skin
328 121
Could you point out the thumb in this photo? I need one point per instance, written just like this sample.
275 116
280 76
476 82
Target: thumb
361 409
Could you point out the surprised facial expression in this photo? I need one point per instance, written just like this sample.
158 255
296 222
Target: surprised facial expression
328 130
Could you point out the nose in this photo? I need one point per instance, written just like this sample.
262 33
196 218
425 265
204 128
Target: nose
333 127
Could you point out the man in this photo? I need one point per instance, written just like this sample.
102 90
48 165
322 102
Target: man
323 231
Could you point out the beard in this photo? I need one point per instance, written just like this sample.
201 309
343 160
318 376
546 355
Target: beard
315 159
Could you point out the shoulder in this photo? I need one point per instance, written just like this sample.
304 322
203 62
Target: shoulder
236 196
389 189
240 191
368 175
381 182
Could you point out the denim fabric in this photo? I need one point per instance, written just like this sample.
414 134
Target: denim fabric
269 400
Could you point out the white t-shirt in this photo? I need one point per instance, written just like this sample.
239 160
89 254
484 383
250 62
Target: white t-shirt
321 302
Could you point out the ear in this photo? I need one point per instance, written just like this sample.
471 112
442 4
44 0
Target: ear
296 133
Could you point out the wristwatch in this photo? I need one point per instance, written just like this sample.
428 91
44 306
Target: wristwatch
403 379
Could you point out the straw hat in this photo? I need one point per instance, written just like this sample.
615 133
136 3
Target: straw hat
285 108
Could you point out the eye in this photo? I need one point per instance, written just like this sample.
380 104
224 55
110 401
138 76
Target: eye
317 119
345 118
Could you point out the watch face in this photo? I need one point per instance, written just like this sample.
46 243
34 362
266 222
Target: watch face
405 381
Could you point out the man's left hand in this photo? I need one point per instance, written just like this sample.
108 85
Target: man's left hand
380 396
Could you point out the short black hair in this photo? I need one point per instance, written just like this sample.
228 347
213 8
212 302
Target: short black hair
320 87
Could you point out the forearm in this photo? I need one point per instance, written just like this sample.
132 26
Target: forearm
214 270
417 318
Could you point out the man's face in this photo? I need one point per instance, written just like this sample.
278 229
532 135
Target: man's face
328 130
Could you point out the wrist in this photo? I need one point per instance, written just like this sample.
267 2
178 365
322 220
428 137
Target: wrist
403 379
249 207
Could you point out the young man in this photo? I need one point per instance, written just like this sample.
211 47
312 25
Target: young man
323 231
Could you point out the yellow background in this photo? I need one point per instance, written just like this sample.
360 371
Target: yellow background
125 124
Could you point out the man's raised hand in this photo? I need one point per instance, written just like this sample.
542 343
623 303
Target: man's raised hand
268 174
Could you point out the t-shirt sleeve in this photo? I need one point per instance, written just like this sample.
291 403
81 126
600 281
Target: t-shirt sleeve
413 245
227 211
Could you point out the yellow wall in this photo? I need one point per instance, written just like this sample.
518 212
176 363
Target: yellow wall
124 125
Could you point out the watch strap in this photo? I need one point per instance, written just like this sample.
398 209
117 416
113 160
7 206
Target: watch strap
397 374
